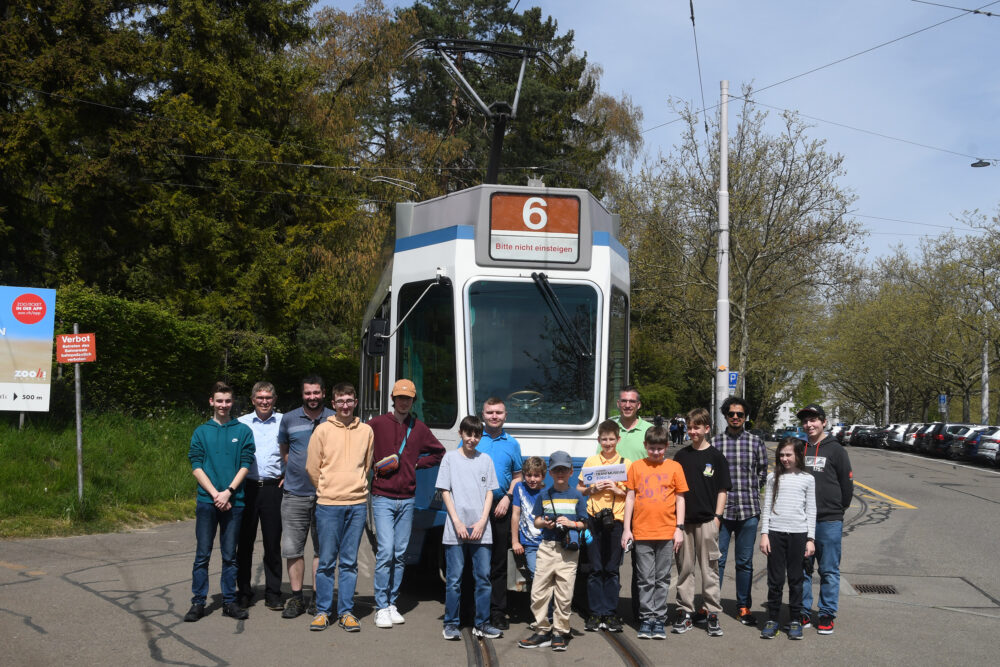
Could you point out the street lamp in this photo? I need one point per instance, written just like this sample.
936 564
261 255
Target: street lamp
981 163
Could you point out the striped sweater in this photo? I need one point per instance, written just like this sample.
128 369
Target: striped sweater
794 511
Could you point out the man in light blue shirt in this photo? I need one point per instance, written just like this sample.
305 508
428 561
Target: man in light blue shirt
505 451
263 501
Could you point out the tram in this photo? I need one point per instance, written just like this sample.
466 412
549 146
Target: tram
520 292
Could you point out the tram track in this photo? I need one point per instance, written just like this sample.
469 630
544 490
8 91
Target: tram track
630 654
479 651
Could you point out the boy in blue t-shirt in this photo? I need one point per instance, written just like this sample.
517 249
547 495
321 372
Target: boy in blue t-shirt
560 512
525 540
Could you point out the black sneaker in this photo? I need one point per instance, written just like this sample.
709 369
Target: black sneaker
593 624
194 613
745 616
806 621
612 623
537 640
294 607
714 629
558 642
233 610
682 624
500 622
311 608
700 617
274 604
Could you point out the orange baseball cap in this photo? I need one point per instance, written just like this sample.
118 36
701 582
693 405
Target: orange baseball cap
404 388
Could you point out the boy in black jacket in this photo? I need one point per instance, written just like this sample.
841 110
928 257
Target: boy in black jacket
830 465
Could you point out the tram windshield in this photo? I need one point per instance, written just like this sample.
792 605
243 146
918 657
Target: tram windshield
520 353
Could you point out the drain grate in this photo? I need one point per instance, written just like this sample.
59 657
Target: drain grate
875 589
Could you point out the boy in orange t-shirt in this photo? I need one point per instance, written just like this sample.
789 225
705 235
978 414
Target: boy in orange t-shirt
654 517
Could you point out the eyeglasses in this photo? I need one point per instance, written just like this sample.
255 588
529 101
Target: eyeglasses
738 415
263 398
345 402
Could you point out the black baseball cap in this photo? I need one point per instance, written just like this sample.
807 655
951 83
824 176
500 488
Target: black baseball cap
813 409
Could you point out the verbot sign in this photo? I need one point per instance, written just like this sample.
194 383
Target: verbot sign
27 315
76 348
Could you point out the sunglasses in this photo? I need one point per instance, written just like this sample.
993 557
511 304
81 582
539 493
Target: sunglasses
739 415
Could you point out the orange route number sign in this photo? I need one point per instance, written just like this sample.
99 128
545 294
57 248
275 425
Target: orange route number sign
76 348
535 228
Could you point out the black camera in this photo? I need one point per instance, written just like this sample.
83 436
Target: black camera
605 519
570 537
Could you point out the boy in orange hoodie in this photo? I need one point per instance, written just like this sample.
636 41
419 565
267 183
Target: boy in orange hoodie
338 461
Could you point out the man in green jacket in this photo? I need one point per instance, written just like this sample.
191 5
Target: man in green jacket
221 453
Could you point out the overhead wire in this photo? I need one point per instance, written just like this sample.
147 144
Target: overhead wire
697 58
838 61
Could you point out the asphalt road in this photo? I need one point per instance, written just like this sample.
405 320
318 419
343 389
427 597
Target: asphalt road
926 527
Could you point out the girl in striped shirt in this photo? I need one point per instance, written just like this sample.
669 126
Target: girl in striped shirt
788 526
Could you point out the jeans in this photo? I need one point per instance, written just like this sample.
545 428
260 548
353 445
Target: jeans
454 556
393 520
207 518
605 554
827 560
746 534
339 528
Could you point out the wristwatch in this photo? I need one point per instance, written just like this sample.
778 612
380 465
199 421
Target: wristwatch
230 490
681 526
719 517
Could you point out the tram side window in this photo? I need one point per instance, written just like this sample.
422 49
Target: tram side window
373 370
426 351
617 346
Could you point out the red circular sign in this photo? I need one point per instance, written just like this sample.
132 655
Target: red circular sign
28 309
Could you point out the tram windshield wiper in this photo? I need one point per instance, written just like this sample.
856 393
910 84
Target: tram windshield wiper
567 328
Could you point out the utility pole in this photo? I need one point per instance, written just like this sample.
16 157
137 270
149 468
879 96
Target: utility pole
722 304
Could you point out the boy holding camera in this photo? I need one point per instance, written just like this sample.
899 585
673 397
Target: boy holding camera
606 507
559 512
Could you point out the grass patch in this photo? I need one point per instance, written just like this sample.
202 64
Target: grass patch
135 472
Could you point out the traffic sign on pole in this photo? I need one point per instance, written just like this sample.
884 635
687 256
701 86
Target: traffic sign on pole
734 377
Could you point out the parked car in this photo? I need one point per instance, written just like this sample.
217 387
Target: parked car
866 436
849 438
793 432
908 436
964 442
932 439
949 435
989 445
892 436
922 438
837 430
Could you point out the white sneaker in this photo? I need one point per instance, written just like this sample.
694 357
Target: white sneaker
383 619
396 617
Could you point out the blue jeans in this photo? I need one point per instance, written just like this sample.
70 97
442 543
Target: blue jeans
393 520
339 528
454 555
827 560
746 534
207 519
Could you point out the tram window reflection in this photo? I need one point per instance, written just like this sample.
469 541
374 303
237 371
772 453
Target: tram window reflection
426 352
521 354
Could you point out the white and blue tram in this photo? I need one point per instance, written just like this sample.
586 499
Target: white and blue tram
509 291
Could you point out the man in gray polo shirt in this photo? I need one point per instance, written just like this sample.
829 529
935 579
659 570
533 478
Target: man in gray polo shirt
298 504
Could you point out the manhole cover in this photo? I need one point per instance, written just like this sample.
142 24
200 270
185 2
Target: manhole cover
875 589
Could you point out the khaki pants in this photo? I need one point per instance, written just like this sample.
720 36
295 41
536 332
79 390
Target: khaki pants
700 550
555 575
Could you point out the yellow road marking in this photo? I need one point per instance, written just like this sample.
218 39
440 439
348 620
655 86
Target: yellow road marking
12 566
887 497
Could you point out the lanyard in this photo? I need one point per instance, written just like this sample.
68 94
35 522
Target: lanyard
408 429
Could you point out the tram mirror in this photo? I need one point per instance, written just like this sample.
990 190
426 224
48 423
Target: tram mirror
376 341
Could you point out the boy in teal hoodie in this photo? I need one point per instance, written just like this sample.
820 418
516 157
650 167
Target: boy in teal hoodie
221 453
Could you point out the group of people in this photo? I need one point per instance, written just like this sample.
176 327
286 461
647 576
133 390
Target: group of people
316 467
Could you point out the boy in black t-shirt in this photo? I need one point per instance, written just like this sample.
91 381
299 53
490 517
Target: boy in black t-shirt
707 473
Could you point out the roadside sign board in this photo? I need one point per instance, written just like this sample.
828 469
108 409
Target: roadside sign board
27 316
76 348
943 403
734 377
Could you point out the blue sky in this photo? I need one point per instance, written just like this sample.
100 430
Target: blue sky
939 88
